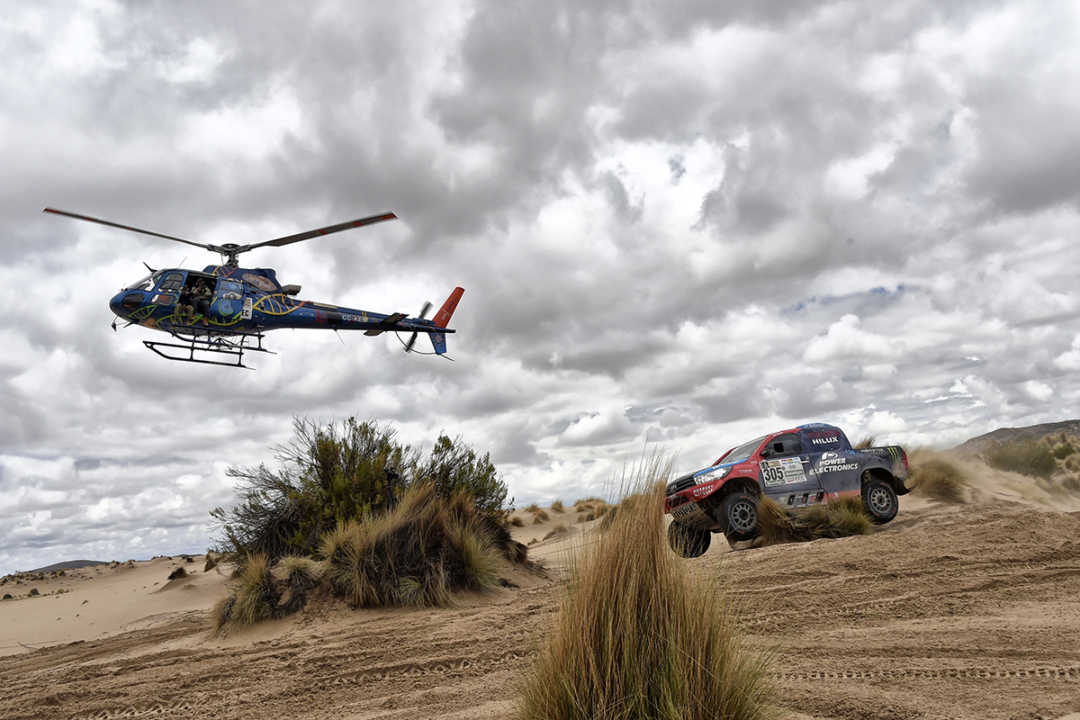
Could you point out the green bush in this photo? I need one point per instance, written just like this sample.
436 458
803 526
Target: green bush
1064 450
1025 457
328 475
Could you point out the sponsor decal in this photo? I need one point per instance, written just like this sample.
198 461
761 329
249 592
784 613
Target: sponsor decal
836 464
246 314
782 471
827 440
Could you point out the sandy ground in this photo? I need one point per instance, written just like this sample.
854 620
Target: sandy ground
966 611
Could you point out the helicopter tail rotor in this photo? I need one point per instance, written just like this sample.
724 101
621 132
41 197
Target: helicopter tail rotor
412 338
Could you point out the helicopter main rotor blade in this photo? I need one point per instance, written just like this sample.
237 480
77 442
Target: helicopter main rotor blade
289 239
126 227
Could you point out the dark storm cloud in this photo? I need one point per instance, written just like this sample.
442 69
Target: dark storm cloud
682 223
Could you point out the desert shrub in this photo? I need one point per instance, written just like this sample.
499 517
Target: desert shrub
178 573
211 562
454 468
329 474
1025 457
557 506
936 477
540 516
418 553
33 592
1064 450
532 508
826 520
638 637
517 521
254 596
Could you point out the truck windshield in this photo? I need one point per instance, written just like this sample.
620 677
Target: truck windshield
743 451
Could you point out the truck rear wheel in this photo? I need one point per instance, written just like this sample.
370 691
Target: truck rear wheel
688 542
879 499
741 516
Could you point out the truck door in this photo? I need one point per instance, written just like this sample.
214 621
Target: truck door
786 474
833 461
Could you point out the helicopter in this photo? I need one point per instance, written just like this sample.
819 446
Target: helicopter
217 314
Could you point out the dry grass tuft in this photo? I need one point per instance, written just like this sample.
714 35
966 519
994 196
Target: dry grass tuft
416 554
211 562
934 476
300 575
540 516
534 508
828 520
557 506
559 529
252 599
638 637
516 521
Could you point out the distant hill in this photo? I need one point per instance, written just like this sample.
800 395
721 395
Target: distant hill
980 444
69 565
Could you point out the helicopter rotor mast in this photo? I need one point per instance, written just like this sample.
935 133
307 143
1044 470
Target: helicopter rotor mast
231 251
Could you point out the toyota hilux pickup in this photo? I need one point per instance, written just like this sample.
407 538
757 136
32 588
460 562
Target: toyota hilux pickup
796 468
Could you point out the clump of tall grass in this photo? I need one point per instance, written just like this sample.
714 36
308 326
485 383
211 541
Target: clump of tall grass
936 477
540 516
558 507
1027 457
516 521
253 598
300 575
1064 450
838 519
559 529
416 554
637 637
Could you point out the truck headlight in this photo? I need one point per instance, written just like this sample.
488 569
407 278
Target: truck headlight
716 474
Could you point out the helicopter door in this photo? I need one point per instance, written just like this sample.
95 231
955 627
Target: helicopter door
228 300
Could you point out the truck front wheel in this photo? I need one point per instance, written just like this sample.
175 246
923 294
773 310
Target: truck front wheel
688 542
740 512
879 499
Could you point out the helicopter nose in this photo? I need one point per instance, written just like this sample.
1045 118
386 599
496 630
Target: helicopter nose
114 304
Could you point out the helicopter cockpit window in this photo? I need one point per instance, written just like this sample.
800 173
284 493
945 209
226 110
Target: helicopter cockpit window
146 283
171 283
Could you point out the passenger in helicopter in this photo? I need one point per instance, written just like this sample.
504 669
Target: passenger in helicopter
202 295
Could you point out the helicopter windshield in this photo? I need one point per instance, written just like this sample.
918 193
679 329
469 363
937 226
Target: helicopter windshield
146 283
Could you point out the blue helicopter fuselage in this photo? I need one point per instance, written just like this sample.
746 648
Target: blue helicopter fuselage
225 300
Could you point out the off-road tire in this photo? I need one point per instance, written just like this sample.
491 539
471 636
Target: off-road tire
740 516
879 499
688 542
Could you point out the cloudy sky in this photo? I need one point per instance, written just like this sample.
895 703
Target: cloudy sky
678 225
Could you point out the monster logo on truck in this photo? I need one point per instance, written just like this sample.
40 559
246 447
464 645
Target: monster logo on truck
803 466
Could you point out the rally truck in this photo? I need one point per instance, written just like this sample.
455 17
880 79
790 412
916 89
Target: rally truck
796 468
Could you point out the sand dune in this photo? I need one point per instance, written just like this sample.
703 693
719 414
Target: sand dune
952 611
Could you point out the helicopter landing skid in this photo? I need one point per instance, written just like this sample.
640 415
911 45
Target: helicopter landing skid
232 345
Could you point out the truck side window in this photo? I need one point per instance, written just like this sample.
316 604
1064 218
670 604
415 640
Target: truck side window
783 445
